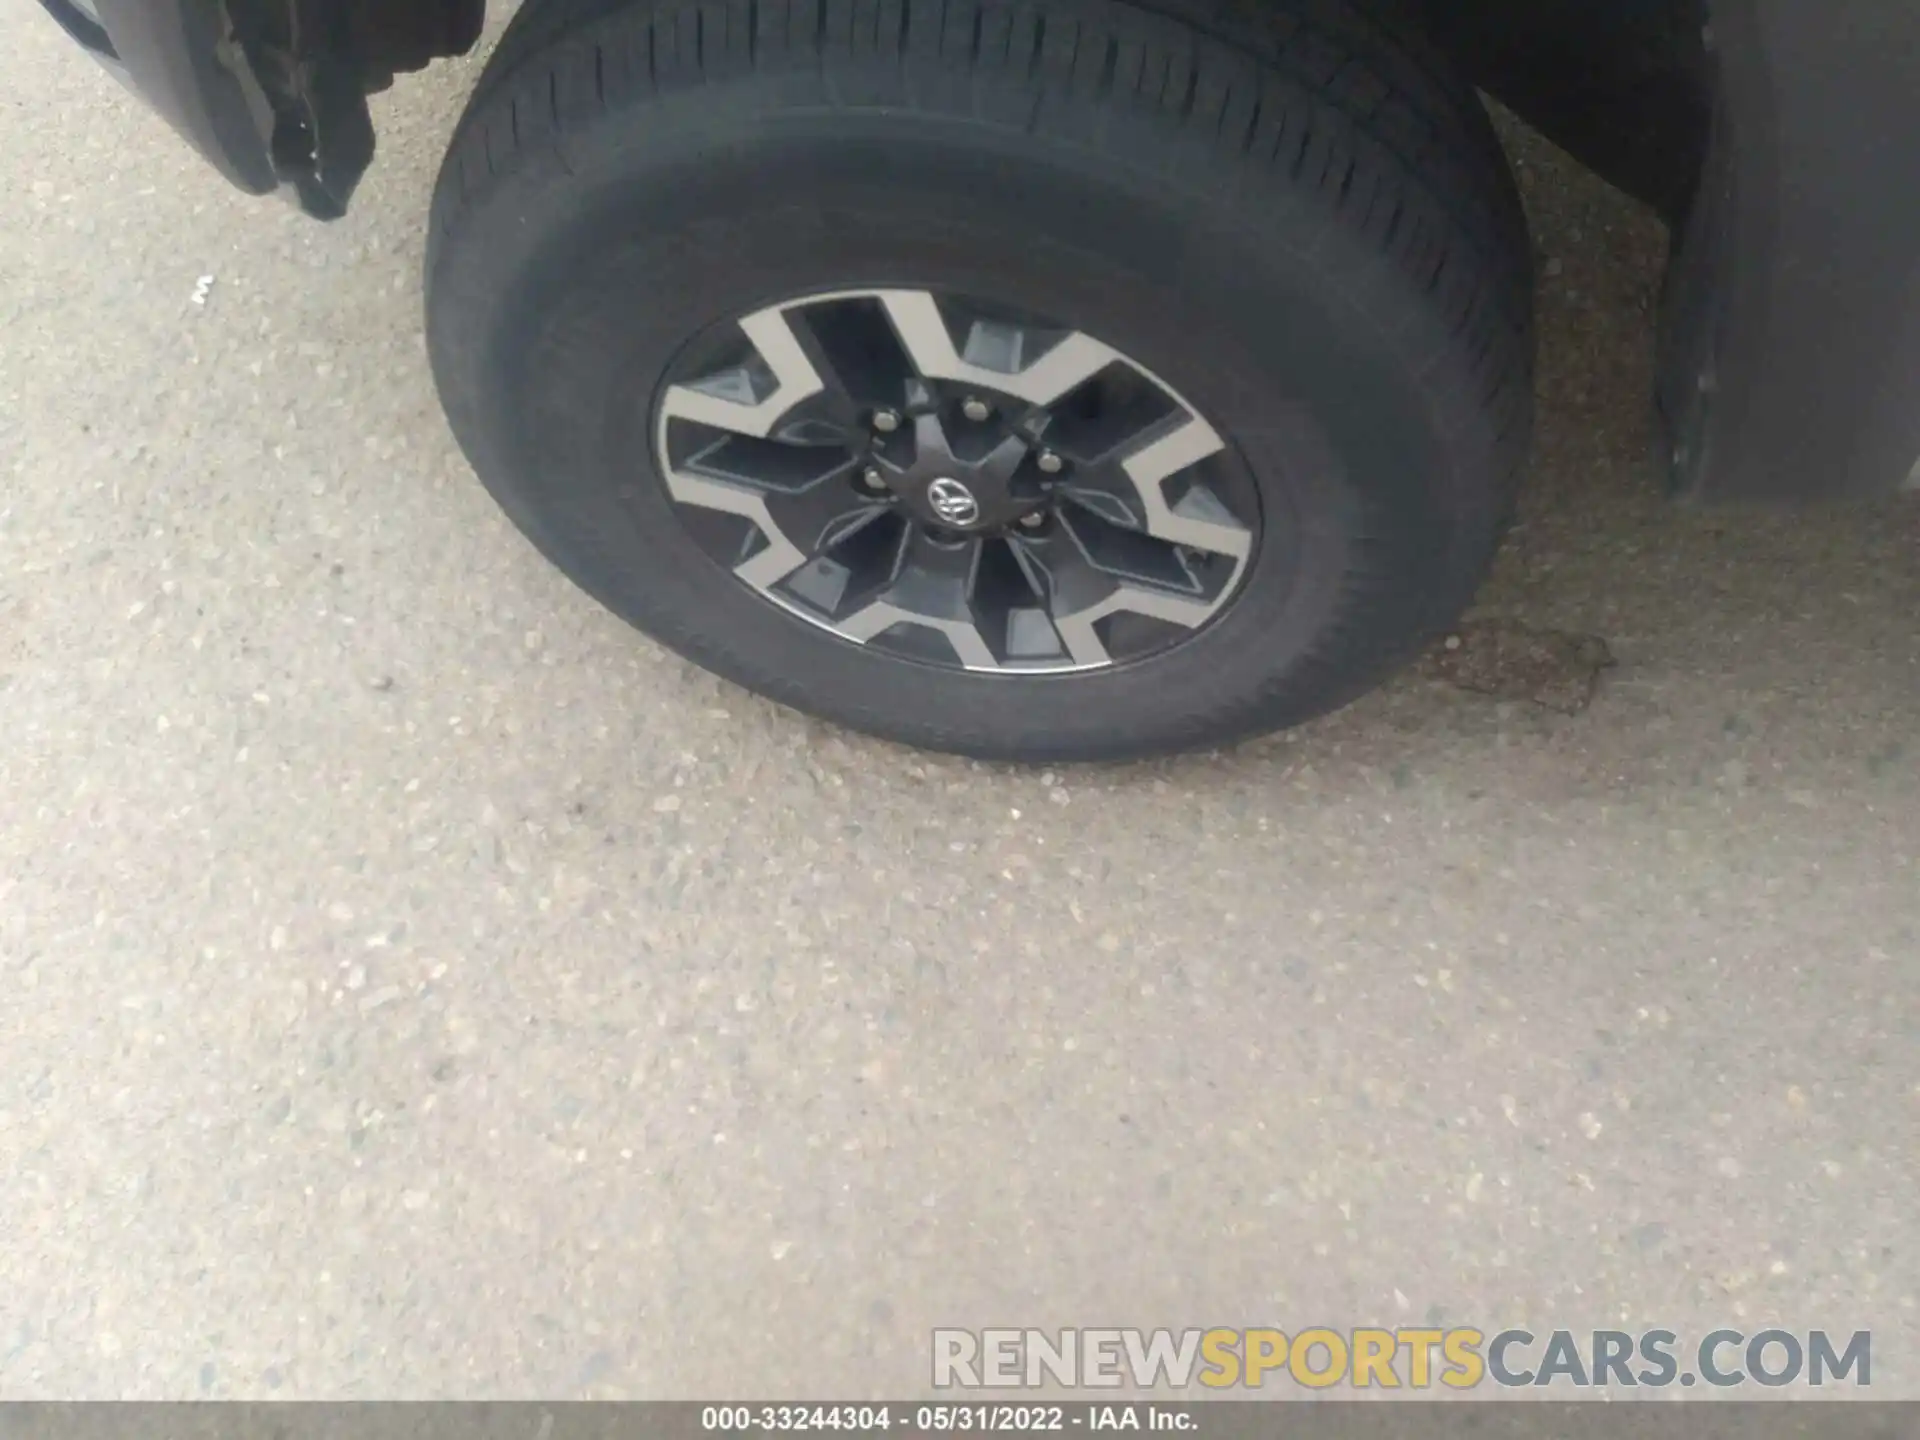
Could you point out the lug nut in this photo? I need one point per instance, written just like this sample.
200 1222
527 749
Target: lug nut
873 480
1050 463
1033 520
886 421
975 409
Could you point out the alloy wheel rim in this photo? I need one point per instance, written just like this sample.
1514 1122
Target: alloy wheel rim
954 484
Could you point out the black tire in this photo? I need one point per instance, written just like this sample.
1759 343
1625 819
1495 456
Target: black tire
1292 210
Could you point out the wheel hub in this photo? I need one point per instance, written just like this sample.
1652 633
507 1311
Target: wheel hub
920 474
984 484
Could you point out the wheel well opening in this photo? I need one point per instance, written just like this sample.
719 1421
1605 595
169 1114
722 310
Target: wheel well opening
1624 86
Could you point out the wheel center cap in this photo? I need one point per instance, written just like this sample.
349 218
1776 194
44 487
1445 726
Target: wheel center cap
970 489
953 502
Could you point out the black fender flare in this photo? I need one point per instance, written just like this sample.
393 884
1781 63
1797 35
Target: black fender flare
273 92
1790 346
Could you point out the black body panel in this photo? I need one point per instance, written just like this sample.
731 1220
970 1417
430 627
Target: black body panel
170 51
1791 352
272 92
1621 84
1780 137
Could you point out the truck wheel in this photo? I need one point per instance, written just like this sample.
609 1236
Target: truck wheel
1031 379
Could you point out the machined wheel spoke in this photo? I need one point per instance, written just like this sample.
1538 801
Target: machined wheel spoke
932 586
801 499
749 399
1133 491
813 521
823 514
1080 594
852 349
955 486
1067 364
1197 518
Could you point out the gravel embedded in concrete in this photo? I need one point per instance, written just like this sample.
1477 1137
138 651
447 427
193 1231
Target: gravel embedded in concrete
414 983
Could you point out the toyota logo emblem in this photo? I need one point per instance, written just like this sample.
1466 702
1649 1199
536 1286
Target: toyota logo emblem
953 502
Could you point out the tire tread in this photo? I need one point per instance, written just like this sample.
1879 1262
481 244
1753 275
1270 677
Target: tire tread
1337 108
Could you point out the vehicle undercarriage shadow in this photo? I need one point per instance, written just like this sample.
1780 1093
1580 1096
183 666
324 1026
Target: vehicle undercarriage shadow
1751 644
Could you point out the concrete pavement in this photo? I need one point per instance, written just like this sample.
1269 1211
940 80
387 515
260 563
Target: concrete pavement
413 983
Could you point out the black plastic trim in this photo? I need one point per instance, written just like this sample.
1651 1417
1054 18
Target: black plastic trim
1791 346
180 56
83 28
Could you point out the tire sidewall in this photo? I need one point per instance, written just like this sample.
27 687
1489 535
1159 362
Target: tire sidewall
558 307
